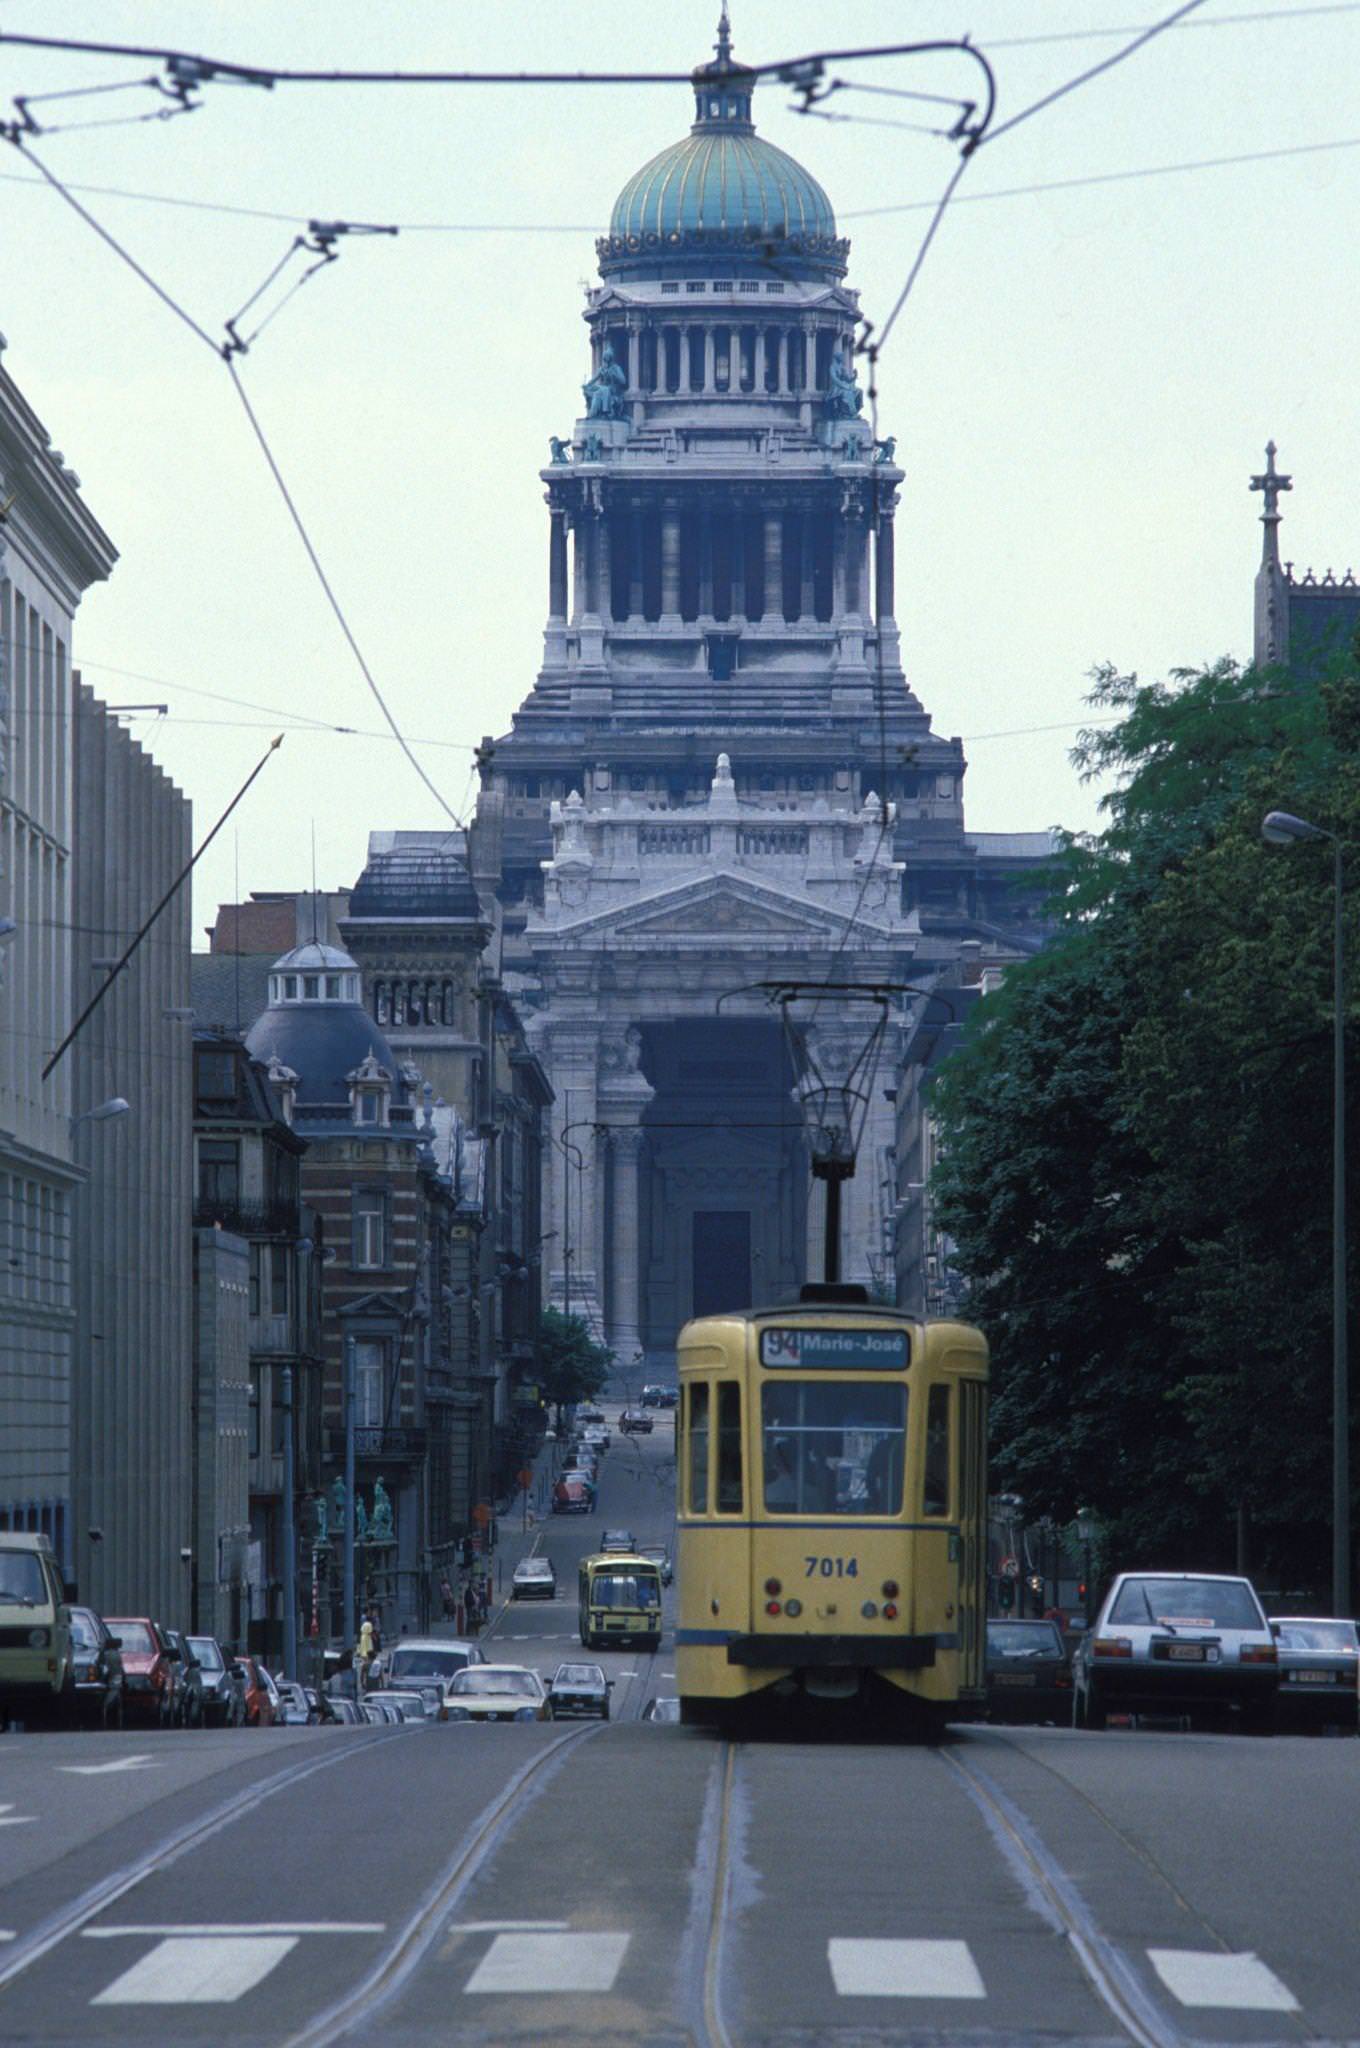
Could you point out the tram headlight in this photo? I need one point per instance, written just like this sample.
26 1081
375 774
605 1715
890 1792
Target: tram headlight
772 1587
793 1607
869 1609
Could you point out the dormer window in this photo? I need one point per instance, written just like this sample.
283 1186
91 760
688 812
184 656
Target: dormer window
332 988
290 982
311 988
370 1093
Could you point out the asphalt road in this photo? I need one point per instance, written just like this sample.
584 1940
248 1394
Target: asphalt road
648 1884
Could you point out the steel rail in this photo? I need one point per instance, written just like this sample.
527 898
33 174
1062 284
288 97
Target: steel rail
714 2023
70 1918
394 1967
1104 1966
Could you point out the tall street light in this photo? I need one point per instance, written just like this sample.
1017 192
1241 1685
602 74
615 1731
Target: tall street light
1281 828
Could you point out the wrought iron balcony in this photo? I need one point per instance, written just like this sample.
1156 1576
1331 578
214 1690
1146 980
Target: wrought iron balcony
398 1444
248 1219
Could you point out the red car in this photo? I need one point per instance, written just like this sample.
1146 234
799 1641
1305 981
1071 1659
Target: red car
148 1670
259 1699
571 1497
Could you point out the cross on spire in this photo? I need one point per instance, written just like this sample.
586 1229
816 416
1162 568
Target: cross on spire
1271 483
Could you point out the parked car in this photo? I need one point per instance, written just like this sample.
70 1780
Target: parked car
407 1706
97 1670
651 1396
259 1698
534 1579
381 1713
148 1669
588 1412
294 1710
224 1693
658 1554
572 1497
670 1398
1028 1675
498 1692
1319 1671
661 1709
345 1713
636 1422
579 1689
190 1693
1177 1643
36 1665
618 1539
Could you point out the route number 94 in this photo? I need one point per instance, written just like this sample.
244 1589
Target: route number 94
831 1567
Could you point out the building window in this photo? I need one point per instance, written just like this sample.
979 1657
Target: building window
369 1228
255 1411
382 1002
256 1260
448 1002
311 988
370 1373
332 988
219 1172
216 1077
290 988
368 1107
279 1257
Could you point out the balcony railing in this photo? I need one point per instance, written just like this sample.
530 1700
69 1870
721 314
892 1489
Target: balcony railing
248 1219
395 1443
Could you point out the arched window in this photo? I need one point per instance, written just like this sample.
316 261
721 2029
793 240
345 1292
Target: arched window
382 1002
398 1002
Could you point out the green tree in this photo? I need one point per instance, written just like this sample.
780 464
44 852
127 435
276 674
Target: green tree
571 1365
1136 1133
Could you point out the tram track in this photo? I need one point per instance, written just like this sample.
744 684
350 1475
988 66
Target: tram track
711 2029
406 1950
70 1918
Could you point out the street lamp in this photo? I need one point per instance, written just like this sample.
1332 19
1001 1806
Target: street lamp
1281 828
103 1112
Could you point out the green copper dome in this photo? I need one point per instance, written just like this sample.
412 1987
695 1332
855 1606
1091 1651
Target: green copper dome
722 191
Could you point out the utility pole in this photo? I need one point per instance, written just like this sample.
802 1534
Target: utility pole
289 1534
347 1633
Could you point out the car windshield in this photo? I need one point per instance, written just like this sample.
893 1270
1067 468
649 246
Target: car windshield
534 1568
1023 1639
1187 1603
622 1589
207 1652
21 1579
578 1674
656 1551
412 1664
616 1539
135 1636
489 1680
833 1449
1335 1637
84 1630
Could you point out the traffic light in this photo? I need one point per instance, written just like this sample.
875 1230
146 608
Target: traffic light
1005 1595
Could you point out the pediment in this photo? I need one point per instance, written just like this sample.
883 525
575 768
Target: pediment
718 905
375 1305
721 913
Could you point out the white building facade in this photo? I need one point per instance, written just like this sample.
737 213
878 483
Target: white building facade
51 551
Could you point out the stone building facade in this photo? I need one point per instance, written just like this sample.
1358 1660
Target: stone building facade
721 776
51 551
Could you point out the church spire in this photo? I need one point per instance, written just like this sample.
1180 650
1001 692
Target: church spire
1271 637
723 46
1271 483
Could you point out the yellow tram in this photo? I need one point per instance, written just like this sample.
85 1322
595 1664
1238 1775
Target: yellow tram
832 1510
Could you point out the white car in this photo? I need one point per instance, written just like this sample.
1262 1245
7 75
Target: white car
497 1692
534 1579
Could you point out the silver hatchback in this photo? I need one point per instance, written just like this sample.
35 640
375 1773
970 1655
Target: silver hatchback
1177 1643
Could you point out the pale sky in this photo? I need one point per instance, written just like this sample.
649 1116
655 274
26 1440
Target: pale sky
1081 386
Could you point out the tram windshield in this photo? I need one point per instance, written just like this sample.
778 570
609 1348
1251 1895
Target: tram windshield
833 1449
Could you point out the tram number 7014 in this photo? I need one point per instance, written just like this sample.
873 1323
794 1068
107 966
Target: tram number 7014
831 1567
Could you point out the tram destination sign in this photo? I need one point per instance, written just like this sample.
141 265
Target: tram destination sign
822 1350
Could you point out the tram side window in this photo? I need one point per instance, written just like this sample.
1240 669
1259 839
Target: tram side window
936 1501
729 1448
698 1447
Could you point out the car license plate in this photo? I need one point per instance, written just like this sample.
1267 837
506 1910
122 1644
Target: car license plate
1314 1677
1187 1653
1016 1678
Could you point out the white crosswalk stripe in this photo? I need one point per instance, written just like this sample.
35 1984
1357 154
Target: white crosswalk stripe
550 1962
1208 1977
198 1970
904 1969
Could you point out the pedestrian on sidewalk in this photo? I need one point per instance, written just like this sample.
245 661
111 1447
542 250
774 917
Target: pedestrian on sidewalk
448 1598
363 1656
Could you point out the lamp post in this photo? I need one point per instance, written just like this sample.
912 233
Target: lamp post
1280 828
289 1534
1086 1536
347 1587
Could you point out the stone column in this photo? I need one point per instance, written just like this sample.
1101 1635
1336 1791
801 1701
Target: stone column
634 362
670 564
625 1336
774 567
578 568
557 565
883 566
710 373
758 364
807 588
737 530
635 546
592 575
705 562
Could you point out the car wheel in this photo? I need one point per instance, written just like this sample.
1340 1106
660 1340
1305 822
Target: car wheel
604 1711
1088 1709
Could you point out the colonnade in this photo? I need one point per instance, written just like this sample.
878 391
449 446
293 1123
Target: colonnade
674 559
711 357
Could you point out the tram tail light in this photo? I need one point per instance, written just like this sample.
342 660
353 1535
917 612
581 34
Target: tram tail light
772 1607
1112 1646
889 1612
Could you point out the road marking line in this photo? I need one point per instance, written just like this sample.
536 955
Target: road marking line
191 1971
121 1763
550 1962
904 1969
10 1819
8 1934
244 1927
509 1927
1240 1982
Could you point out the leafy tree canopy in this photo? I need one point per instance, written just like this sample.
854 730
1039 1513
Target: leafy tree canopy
1136 1135
571 1365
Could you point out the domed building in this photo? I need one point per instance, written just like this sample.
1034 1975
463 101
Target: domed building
387 1215
721 775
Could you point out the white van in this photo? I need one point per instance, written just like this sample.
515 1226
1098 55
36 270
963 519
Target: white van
37 1678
